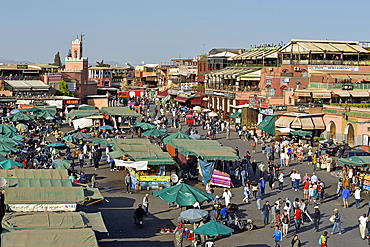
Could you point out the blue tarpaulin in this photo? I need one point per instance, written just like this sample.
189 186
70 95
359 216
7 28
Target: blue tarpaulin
207 170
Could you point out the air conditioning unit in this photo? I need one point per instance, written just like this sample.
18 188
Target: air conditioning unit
296 69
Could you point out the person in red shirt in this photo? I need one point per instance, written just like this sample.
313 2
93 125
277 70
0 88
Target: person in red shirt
297 218
305 189
319 191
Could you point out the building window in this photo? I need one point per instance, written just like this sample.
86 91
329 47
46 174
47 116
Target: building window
75 53
271 92
368 129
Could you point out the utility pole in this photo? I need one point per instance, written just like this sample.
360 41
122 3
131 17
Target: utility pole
203 48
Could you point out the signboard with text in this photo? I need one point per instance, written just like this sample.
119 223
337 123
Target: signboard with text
347 87
264 105
281 108
301 108
333 67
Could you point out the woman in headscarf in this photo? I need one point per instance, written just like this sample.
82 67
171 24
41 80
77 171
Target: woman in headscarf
178 235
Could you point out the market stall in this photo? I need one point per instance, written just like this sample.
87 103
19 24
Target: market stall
363 163
149 166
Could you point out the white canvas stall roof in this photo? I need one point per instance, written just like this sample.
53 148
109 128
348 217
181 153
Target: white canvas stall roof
341 93
223 54
38 85
18 85
362 93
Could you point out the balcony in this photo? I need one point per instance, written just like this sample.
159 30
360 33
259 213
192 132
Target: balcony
338 85
232 87
326 62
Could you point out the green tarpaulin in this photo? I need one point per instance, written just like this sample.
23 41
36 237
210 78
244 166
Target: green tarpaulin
115 154
52 220
87 107
83 113
35 173
301 133
183 195
120 111
178 135
145 126
34 182
47 238
268 125
356 160
7 164
8 100
93 193
154 133
44 195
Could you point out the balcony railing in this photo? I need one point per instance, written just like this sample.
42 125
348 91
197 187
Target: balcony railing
231 87
338 85
327 62
20 78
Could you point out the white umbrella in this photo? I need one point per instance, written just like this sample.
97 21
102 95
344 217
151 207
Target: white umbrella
196 108
50 118
212 114
206 110
14 111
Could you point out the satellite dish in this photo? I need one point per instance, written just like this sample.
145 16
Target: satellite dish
3 182
174 178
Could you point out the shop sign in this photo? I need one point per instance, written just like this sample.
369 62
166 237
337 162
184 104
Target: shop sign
301 108
38 102
281 108
188 85
347 87
72 101
238 120
264 105
253 106
267 111
333 67
252 101
22 66
155 178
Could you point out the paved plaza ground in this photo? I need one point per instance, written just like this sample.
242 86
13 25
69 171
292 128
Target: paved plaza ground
118 211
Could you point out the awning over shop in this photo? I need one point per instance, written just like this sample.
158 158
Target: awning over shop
181 99
340 77
341 93
196 101
7 99
162 95
18 85
120 111
359 94
36 85
237 114
359 77
307 123
297 124
302 93
284 122
35 173
301 133
318 122
268 125
83 113
321 94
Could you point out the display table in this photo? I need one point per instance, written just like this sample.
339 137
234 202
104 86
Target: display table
145 181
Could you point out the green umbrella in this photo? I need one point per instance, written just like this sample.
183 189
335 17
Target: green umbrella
45 114
145 126
62 164
10 141
20 117
154 133
70 138
56 145
356 160
5 129
99 141
213 229
163 130
21 127
18 137
106 127
7 148
7 164
178 135
10 134
183 195
80 135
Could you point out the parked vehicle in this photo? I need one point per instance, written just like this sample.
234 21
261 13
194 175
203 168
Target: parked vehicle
354 152
333 150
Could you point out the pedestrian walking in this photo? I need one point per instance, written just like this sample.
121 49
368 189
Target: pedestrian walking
253 146
323 239
345 196
296 242
297 180
93 181
357 197
227 196
273 213
285 220
282 159
337 222
316 218
281 181
339 186
362 222
146 203
81 158
254 167
209 188
128 183
297 218
278 236
259 197
265 212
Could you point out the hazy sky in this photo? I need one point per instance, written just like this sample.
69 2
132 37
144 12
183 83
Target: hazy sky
156 31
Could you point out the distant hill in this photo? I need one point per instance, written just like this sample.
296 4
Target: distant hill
8 61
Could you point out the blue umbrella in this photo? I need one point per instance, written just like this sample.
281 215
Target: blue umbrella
195 136
56 145
106 127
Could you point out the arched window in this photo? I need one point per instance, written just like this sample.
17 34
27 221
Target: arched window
75 53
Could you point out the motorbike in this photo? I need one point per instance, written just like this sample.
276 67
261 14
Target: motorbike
140 222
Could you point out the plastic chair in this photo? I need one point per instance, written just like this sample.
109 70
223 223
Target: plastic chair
191 236
209 244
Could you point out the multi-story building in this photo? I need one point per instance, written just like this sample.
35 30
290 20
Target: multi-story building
108 77
147 75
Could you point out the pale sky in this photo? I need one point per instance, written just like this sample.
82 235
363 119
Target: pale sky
156 31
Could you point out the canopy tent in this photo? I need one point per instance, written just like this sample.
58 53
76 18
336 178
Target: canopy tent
83 113
37 182
82 123
45 238
86 107
56 145
80 135
268 125
93 193
70 138
35 173
237 114
20 117
106 127
301 133
213 229
52 220
37 109
8 148
18 137
5 129
7 164
120 111
44 195
356 160
62 164
154 133
145 126
183 195
178 135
